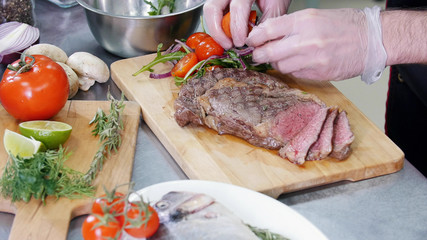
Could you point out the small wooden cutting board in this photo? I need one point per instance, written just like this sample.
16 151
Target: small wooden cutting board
34 220
205 155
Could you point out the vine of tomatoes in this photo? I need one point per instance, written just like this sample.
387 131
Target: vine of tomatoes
112 215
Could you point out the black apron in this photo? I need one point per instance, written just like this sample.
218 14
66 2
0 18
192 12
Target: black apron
406 109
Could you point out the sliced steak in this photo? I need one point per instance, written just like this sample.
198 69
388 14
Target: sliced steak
343 137
323 146
296 149
254 106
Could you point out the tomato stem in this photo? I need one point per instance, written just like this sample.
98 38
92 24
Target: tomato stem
23 66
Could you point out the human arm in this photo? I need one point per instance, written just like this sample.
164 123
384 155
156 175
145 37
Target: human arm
213 12
405 36
332 44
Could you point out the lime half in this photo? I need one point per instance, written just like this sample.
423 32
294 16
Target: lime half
50 133
16 144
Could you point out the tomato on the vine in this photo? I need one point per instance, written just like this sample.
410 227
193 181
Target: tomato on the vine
36 94
136 223
184 65
208 47
92 228
194 39
114 204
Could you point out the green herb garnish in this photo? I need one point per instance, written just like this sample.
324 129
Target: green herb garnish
161 4
231 60
108 128
265 234
42 175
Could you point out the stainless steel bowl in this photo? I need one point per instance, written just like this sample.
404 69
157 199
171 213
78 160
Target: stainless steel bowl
124 27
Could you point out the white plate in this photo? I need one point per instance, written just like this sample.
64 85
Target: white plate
252 207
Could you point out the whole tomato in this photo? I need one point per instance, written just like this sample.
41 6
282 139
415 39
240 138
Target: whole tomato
100 228
208 47
113 204
36 94
194 39
140 221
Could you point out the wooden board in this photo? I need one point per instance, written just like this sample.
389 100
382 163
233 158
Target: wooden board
33 220
203 154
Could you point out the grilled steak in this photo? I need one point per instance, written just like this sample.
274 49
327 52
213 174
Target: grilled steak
254 106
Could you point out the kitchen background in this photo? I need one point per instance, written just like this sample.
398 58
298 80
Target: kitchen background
370 99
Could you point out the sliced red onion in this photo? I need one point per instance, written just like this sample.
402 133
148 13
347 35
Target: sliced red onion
16 37
244 51
184 45
160 75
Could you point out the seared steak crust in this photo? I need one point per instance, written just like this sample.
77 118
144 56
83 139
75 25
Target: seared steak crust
254 106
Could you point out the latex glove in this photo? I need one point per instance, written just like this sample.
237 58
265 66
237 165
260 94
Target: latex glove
313 44
213 11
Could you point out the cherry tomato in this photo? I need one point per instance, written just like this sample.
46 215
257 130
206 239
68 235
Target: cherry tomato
113 204
194 39
93 230
37 94
184 65
139 229
213 67
226 22
208 47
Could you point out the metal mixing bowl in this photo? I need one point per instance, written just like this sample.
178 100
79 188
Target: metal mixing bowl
124 27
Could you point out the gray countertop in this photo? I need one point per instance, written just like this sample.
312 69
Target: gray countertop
387 207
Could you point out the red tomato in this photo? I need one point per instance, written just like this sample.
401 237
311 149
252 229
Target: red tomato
225 23
213 67
37 94
194 39
114 204
184 65
135 225
208 47
109 230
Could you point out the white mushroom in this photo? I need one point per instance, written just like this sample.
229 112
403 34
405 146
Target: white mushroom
89 69
53 52
73 80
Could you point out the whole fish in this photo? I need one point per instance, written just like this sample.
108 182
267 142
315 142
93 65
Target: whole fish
187 215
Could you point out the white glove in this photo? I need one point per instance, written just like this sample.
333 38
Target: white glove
314 44
213 11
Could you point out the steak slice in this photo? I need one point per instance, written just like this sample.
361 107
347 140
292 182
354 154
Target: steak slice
323 146
343 137
296 150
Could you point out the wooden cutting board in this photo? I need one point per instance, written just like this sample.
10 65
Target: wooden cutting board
33 220
203 154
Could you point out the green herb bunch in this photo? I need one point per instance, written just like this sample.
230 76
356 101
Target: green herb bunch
108 127
42 175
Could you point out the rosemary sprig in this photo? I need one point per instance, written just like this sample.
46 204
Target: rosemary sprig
108 128
42 175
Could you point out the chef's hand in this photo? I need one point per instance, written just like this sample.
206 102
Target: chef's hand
213 12
314 44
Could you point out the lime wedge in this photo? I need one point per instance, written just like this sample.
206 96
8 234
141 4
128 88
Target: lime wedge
16 144
50 133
